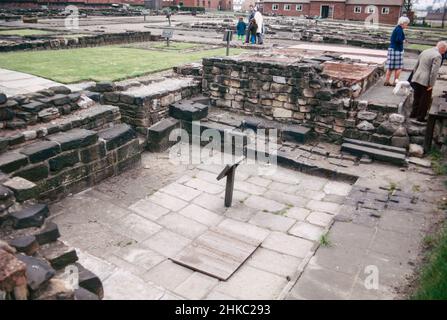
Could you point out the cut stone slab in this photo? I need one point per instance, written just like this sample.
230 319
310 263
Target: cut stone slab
306 231
272 221
48 233
245 231
295 133
322 206
76 138
33 216
11 161
377 154
148 209
167 201
320 219
117 136
261 203
167 243
90 281
22 188
135 288
168 275
274 262
182 225
337 188
188 110
158 135
290 245
201 215
375 145
181 191
215 254
58 254
250 283
41 151
196 287
38 271
25 244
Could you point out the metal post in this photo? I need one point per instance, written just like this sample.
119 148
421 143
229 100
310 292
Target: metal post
167 41
229 187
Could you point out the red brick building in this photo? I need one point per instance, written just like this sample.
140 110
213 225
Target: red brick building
224 5
388 11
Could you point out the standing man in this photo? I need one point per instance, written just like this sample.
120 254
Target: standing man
260 22
424 79
251 15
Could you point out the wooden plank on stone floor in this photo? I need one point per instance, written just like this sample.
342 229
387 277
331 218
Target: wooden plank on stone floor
216 254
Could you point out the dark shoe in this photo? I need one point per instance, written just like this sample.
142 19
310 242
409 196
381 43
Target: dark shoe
422 120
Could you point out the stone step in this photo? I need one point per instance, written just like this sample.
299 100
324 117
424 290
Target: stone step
117 135
295 133
25 244
377 154
376 146
33 216
158 135
22 188
58 254
188 110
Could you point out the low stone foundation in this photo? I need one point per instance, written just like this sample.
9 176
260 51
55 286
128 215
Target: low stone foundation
51 42
291 87
144 105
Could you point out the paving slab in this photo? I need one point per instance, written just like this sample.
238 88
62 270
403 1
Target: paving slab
148 209
272 221
197 286
167 243
306 231
168 275
201 215
182 225
290 245
320 219
167 201
135 288
275 262
216 254
250 283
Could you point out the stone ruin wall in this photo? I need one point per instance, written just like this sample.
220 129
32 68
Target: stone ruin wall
303 94
52 42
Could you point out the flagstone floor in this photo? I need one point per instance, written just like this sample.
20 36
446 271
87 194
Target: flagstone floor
130 229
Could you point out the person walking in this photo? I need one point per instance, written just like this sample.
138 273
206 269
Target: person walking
240 28
395 59
424 79
252 31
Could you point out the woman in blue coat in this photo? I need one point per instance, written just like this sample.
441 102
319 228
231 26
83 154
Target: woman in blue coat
395 60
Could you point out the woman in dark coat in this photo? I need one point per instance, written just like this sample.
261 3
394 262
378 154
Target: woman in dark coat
395 60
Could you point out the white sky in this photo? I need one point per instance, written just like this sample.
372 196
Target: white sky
421 4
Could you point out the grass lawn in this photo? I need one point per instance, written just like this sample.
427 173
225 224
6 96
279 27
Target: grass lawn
433 280
100 63
22 32
176 46
421 47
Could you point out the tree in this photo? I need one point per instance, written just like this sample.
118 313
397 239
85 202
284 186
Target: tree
408 6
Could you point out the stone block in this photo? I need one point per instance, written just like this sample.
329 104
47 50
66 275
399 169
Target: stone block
22 188
188 110
295 133
117 136
92 153
67 159
49 232
90 281
58 254
33 216
74 139
38 271
33 173
33 107
11 161
25 244
158 135
377 154
40 151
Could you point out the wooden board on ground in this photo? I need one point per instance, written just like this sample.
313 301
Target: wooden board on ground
216 253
